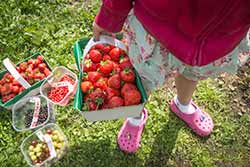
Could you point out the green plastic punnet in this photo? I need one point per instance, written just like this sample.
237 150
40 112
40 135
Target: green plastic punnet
33 90
107 114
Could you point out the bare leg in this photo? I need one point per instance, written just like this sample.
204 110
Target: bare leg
185 89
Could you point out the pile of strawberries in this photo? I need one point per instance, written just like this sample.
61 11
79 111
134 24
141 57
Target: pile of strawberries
57 93
32 71
109 79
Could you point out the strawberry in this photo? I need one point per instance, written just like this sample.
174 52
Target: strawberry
101 83
89 106
23 66
115 101
15 83
99 46
127 75
98 96
15 89
112 92
93 76
89 66
18 69
107 49
95 56
116 69
126 87
106 57
86 86
42 67
21 89
31 61
132 97
6 88
46 72
114 81
125 62
92 106
105 106
106 66
40 58
115 54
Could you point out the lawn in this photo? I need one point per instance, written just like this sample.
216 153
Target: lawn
51 27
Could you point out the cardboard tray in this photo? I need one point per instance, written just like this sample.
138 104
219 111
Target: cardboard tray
106 114
33 90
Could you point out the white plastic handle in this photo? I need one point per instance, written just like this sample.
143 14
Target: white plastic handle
105 40
47 139
36 111
11 68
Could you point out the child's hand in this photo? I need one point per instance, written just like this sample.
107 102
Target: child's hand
97 31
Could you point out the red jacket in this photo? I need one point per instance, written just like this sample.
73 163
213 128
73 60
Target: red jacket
197 32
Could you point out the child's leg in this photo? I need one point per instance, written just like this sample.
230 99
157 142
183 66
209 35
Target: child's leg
185 89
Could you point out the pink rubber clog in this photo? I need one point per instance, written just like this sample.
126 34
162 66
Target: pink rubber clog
200 122
129 136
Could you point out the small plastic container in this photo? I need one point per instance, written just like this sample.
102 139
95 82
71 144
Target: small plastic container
54 80
45 146
31 113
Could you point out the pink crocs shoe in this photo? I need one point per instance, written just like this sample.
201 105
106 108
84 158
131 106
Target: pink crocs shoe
129 136
200 122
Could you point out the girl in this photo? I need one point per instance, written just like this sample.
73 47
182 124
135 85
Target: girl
189 39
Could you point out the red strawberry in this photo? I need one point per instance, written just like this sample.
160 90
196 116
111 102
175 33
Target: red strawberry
89 66
89 106
105 106
40 58
23 66
125 62
115 102
126 87
15 89
115 54
107 49
95 56
114 81
132 97
127 75
6 88
46 72
98 96
99 46
106 66
93 76
31 61
87 56
86 86
116 69
101 83
106 57
112 92
42 67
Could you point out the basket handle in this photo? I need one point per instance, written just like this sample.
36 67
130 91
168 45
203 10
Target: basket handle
11 68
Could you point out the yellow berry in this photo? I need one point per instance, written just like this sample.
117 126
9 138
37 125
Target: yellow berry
33 157
31 148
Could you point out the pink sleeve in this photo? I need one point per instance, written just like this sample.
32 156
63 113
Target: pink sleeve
112 14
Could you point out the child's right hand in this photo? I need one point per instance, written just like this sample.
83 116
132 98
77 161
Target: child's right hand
97 31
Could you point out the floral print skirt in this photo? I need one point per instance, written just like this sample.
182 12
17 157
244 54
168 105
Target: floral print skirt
155 64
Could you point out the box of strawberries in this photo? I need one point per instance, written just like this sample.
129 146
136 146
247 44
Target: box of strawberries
22 79
109 87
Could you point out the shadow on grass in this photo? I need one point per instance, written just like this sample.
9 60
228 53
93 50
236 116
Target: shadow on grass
164 142
98 153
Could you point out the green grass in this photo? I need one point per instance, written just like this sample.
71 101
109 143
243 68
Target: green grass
51 27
